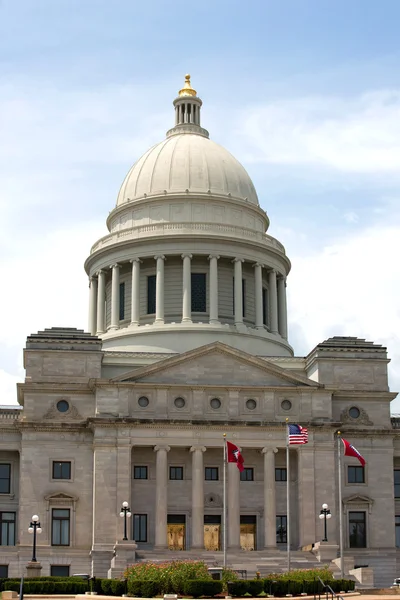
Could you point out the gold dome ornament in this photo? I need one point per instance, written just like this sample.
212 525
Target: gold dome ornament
187 89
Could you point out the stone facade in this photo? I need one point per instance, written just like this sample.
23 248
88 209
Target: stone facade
135 410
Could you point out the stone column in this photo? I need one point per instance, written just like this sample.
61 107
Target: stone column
238 287
160 289
187 289
115 297
258 290
273 301
93 305
161 496
135 298
101 302
269 497
197 496
213 289
233 502
282 308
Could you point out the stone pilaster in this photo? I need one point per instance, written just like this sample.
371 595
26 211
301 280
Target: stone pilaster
238 290
258 296
161 496
273 301
187 289
93 305
101 302
269 497
114 297
282 308
197 496
213 289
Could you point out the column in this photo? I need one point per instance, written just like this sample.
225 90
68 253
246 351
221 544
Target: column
238 287
187 289
273 301
93 305
197 496
160 289
114 297
258 290
213 289
233 502
282 308
135 298
101 302
269 497
161 496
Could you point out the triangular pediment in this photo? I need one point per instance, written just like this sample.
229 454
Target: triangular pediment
358 499
217 364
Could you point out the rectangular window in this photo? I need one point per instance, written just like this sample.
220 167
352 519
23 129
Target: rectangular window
140 528
151 294
3 571
176 473
7 528
5 478
60 522
59 570
140 473
247 474
281 529
397 483
199 292
122 301
265 306
280 474
355 474
357 529
211 474
397 530
61 470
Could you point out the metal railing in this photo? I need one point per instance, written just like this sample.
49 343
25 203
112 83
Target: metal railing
327 592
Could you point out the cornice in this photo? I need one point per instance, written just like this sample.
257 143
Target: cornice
364 394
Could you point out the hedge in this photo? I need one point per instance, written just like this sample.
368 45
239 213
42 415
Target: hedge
143 588
202 587
242 587
47 586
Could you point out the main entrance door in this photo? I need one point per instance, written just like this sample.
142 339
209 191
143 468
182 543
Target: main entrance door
212 532
248 532
176 532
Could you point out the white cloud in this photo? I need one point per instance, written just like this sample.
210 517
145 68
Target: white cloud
353 135
351 217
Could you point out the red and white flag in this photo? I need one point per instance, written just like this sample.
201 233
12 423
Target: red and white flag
350 450
234 455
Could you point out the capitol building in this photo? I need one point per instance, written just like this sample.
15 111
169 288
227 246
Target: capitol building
187 340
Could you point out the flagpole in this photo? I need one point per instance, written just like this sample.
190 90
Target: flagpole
224 503
339 439
287 495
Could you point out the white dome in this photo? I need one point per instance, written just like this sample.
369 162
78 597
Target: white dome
187 162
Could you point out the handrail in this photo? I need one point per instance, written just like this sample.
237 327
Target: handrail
328 590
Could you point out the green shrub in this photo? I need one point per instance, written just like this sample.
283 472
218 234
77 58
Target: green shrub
118 587
144 588
106 587
170 575
202 587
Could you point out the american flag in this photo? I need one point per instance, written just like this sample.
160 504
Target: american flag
297 434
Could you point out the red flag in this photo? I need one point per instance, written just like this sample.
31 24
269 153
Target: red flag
350 450
234 455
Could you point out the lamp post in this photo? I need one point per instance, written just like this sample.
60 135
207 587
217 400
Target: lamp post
125 513
325 514
34 528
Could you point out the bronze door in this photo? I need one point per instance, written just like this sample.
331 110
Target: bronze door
176 536
248 536
212 537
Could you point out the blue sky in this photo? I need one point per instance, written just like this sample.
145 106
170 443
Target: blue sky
306 94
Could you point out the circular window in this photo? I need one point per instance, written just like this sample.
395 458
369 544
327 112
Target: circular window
62 406
251 404
143 401
179 402
286 404
215 403
354 412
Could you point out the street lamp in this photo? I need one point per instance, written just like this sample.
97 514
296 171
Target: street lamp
125 512
34 528
325 514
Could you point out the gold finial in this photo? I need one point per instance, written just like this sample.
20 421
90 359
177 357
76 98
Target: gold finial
187 89
339 433
224 434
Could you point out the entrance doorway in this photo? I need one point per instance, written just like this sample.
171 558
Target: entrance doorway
212 532
176 532
248 537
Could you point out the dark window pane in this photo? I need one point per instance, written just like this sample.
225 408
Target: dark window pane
4 571
59 570
211 473
355 474
60 527
176 472
357 529
7 528
151 294
396 483
140 472
5 478
265 306
140 528
247 474
62 470
280 474
198 292
122 301
397 530
281 529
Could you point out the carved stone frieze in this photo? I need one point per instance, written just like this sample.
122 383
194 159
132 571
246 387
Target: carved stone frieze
71 413
212 500
362 419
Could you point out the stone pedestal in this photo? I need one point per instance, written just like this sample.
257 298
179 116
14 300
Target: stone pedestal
124 555
101 555
348 563
325 551
33 569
